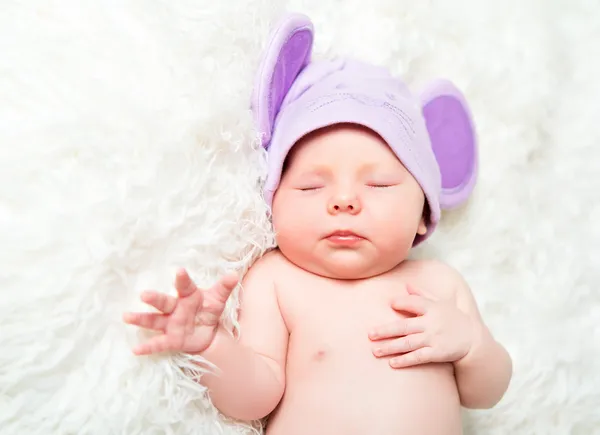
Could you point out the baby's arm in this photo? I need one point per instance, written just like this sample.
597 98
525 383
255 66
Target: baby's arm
484 373
250 379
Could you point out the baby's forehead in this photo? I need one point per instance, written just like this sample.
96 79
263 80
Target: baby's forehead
307 158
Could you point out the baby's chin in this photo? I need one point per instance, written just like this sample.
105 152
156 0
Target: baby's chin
343 264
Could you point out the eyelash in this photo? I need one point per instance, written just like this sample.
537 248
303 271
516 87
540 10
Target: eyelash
308 189
374 186
380 186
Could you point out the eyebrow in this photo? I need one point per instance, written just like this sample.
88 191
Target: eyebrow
317 170
322 170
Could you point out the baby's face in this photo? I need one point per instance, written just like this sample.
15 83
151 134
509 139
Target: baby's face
346 207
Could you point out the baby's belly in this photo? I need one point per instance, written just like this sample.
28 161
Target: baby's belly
336 386
348 397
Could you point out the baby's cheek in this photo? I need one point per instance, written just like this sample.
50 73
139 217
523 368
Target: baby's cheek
296 243
294 225
393 236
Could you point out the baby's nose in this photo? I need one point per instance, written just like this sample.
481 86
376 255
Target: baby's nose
344 204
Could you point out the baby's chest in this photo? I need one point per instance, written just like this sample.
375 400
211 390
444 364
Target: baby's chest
325 316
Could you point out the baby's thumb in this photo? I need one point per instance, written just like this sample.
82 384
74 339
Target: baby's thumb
225 286
215 299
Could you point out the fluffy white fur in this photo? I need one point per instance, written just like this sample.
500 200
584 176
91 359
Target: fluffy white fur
127 149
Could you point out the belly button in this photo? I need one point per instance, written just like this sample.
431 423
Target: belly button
319 355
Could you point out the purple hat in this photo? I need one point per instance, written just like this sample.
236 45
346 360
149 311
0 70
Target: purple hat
432 134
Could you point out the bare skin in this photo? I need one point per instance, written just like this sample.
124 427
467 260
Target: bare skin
315 366
340 333
334 382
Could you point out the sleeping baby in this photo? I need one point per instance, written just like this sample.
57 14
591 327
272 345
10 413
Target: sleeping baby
340 333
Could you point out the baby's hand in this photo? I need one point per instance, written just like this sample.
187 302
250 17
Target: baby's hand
439 332
188 322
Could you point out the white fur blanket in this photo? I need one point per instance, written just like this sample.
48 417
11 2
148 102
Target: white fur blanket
126 150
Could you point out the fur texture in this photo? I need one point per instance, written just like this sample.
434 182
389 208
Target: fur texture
127 149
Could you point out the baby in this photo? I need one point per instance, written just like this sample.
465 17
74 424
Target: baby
340 332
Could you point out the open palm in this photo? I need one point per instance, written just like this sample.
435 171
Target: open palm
188 322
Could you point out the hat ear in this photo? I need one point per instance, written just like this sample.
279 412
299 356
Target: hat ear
288 51
453 139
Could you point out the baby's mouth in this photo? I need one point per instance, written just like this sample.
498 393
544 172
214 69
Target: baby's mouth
344 237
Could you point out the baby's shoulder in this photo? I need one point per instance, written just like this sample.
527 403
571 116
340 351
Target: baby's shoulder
430 265
434 275
258 287
269 278
268 268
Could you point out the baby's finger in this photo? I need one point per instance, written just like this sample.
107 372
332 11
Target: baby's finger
400 345
184 284
159 344
216 299
153 321
423 355
223 288
412 290
411 304
399 328
160 301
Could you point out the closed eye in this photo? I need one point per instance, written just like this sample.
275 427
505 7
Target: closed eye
308 189
380 185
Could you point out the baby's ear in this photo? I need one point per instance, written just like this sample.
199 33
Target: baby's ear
453 138
422 228
288 51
